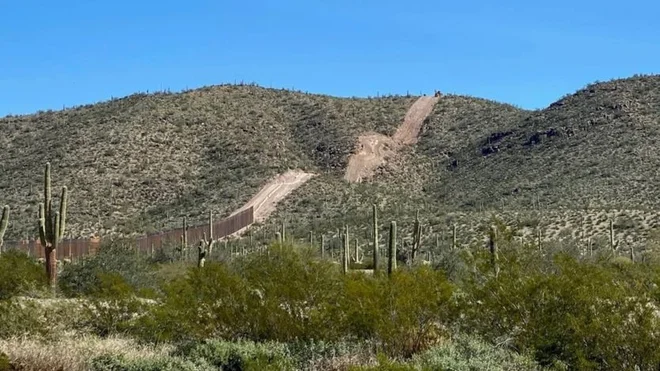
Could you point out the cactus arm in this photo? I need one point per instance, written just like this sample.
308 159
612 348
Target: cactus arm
391 267
375 236
42 224
62 215
56 240
4 222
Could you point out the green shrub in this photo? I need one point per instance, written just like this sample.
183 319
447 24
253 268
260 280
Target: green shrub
243 355
406 312
466 353
5 364
588 315
110 362
293 295
112 306
384 364
19 274
206 303
116 257
21 318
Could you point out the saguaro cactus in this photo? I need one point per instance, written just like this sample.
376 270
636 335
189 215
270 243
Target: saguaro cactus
322 246
4 222
184 237
613 244
417 237
204 249
454 233
346 251
391 266
51 226
492 242
375 237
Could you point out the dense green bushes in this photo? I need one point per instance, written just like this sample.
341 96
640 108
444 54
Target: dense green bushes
561 310
19 274
116 257
291 295
588 314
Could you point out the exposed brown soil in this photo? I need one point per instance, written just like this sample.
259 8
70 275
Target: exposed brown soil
275 190
374 149
372 152
412 123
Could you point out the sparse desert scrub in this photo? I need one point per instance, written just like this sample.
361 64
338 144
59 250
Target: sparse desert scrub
74 351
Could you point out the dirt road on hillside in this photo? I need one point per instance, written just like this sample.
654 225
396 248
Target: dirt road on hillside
412 123
273 192
374 149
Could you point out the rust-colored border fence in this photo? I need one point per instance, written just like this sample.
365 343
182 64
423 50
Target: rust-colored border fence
77 247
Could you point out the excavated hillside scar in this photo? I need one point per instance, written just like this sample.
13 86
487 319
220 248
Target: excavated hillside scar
274 191
374 149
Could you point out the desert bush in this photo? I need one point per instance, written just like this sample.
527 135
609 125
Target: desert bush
589 315
405 313
5 365
206 303
467 353
21 318
293 294
281 297
117 257
116 362
112 307
242 355
19 274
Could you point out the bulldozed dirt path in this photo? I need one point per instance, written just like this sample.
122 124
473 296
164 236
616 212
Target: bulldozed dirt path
412 123
374 149
273 192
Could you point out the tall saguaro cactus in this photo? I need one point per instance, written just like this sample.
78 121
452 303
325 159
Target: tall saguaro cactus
184 236
614 245
391 266
51 226
204 249
417 237
375 237
205 246
322 246
346 251
492 243
4 222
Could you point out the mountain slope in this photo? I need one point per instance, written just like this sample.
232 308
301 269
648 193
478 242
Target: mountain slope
595 149
143 161
137 163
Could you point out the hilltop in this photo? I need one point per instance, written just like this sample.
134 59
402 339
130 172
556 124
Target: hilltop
138 163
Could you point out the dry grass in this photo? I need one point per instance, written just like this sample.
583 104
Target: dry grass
73 351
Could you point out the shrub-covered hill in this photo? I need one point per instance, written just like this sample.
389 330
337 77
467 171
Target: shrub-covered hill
132 164
567 169
136 163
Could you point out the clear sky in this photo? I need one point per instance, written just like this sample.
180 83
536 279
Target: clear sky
528 53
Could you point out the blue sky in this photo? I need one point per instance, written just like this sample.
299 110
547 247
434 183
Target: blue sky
65 53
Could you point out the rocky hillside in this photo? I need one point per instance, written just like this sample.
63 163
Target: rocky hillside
133 164
137 163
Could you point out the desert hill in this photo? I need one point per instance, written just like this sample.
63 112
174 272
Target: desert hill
141 162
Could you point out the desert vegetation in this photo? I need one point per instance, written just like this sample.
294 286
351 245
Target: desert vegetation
507 303
503 240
